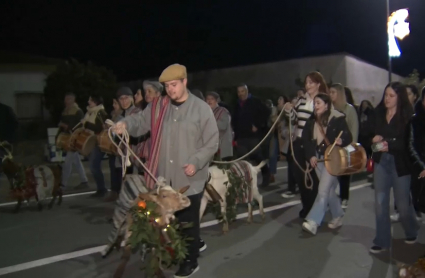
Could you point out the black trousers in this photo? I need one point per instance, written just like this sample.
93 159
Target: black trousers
344 187
292 183
308 196
191 215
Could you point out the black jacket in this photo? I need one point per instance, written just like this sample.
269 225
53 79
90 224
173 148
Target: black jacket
417 136
251 112
398 145
336 124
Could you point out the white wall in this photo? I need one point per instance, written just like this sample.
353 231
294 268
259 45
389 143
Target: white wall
11 83
279 75
367 82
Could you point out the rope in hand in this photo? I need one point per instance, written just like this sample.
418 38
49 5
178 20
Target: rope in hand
258 145
308 180
125 158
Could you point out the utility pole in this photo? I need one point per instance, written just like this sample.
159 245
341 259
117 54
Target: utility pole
388 45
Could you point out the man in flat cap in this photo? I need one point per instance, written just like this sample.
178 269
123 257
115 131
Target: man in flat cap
184 138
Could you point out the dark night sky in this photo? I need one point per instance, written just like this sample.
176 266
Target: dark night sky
139 39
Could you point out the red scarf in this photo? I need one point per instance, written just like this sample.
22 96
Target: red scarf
158 110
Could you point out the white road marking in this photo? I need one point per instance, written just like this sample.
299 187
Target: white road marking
93 250
88 193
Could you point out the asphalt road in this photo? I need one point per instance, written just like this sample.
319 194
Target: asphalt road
65 241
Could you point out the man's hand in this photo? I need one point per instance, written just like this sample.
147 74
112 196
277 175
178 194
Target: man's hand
119 128
313 162
422 174
385 148
189 170
254 129
377 138
288 106
338 142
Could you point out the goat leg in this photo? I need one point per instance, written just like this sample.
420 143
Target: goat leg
39 205
249 219
60 194
124 260
54 195
18 205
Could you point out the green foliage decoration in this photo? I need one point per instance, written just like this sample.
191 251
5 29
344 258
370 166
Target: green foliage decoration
164 246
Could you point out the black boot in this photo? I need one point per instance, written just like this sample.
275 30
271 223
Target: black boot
187 269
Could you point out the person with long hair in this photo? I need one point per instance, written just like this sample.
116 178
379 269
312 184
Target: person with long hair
138 100
417 150
94 120
392 166
320 131
339 101
314 84
412 94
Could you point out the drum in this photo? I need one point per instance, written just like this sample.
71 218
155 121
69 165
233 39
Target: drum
345 161
105 143
63 142
83 141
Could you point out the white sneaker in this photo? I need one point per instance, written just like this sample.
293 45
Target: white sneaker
335 223
395 217
310 226
344 204
288 195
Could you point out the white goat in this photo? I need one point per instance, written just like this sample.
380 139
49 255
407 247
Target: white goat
219 179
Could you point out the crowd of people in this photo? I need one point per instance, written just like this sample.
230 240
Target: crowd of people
179 132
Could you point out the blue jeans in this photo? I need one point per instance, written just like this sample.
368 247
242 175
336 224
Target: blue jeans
384 177
95 160
325 196
274 155
70 159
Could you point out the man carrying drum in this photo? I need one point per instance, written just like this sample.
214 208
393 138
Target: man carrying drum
184 139
71 117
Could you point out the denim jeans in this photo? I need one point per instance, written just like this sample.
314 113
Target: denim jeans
325 196
384 177
95 160
274 155
70 159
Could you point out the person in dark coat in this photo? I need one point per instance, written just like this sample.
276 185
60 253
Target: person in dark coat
249 122
9 124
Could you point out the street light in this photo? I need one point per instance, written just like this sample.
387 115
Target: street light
396 27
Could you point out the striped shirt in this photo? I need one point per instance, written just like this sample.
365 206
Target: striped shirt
301 113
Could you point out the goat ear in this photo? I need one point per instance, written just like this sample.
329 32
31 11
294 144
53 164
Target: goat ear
184 189
145 196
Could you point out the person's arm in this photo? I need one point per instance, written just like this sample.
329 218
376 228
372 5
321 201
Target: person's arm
204 154
140 123
223 122
412 149
353 123
346 136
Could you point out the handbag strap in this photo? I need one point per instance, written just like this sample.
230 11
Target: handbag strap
324 134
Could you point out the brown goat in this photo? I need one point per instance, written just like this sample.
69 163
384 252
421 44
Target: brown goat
412 271
169 201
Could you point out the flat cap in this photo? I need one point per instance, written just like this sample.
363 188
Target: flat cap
173 72
124 91
154 84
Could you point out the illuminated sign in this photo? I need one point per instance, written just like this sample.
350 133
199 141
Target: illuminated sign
397 27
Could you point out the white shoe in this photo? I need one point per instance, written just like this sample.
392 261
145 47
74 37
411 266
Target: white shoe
395 217
288 195
344 204
335 223
310 226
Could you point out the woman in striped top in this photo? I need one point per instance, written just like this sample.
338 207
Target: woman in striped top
314 84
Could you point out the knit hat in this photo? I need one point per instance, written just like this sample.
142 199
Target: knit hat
124 91
173 72
154 84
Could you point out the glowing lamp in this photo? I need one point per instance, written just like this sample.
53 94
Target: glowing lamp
397 27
